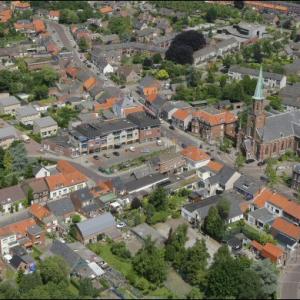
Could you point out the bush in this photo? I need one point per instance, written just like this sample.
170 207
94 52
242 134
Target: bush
119 249
160 216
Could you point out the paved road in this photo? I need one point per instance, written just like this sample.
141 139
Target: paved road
289 282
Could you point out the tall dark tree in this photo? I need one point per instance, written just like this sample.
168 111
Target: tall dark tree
191 38
214 225
239 4
158 199
180 54
211 14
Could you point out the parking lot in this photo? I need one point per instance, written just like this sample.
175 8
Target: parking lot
109 158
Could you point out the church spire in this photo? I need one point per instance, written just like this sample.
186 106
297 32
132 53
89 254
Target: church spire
258 95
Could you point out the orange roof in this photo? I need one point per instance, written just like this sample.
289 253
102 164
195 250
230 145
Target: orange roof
106 9
266 195
272 252
180 114
244 207
5 15
69 176
72 71
131 110
287 228
152 97
54 13
268 5
24 26
52 48
39 26
194 153
256 245
18 227
215 166
39 211
19 4
108 104
223 117
89 83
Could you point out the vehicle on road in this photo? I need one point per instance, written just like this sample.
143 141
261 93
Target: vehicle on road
145 150
116 153
96 157
132 149
121 225
106 155
117 146
264 178
248 161
158 142
183 145
171 127
261 163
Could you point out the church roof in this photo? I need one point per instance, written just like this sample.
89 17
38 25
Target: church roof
280 125
259 95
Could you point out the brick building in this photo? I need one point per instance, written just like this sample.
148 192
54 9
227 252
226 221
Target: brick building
212 124
273 135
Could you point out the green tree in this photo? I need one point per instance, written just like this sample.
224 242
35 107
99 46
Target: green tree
195 293
28 171
119 249
83 44
213 224
76 219
30 281
119 25
223 208
158 198
174 250
8 290
239 161
39 292
29 197
7 162
86 288
14 180
162 75
194 263
268 276
223 80
194 78
211 14
271 172
250 285
210 77
149 262
257 53
54 269
156 58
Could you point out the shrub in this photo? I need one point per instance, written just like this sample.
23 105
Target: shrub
160 216
119 249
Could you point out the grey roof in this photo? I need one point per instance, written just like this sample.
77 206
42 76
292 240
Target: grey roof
204 51
296 168
63 250
164 38
96 225
61 207
145 32
17 260
280 125
109 38
170 105
293 67
35 229
147 81
96 89
82 195
45 122
255 72
203 206
290 95
11 194
92 130
143 120
83 75
222 176
8 131
8 101
145 181
26 110
226 42
144 230
248 184
262 215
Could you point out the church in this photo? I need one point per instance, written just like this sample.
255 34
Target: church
269 135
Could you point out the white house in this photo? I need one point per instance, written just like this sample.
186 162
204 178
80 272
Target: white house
108 69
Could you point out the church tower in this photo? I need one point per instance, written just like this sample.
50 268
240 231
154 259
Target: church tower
257 117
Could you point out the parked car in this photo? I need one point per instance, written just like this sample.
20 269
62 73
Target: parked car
116 153
261 163
183 145
172 127
96 157
145 151
132 149
106 155
158 142
121 225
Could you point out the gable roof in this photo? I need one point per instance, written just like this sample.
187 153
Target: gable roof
18 227
195 154
181 114
61 207
287 228
11 194
215 166
272 252
45 122
39 211
96 225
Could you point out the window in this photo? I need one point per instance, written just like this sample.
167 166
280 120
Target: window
282 145
267 150
274 148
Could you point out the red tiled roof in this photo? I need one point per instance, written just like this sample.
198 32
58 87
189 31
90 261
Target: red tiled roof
180 114
106 9
194 153
272 252
287 228
131 110
89 83
18 227
39 26
224 117
257 245
5 15
39 211
108 104
72 71
54 13
266 195
215 166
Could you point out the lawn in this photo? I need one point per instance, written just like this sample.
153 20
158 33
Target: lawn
175 284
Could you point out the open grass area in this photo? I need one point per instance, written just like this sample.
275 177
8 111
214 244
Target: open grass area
176 285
